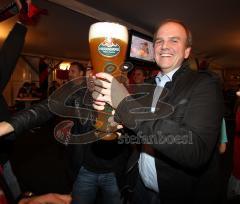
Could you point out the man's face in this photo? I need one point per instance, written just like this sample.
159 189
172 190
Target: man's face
138 77
170 46
74 72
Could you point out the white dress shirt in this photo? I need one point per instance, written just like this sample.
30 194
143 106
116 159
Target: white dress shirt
146 162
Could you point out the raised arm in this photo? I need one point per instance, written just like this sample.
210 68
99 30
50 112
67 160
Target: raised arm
10 52
29 118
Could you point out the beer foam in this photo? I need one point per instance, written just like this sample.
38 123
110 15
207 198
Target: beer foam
107 29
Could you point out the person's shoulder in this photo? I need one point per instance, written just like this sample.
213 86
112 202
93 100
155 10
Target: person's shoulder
208 75
204 75
207 80
203 78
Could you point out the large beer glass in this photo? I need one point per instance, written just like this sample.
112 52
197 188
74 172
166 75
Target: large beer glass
108 46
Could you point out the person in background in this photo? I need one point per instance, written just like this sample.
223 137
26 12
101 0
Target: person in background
96 165
234 180
139 75
9 54
223 138
35 91
25 90
53 87
181 163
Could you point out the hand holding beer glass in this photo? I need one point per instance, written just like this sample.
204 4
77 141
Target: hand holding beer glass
108 46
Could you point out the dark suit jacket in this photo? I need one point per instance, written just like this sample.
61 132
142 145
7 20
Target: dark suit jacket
187 168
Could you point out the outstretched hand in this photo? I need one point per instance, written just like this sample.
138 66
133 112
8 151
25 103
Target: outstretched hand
5 128
52 198
29 13
107 90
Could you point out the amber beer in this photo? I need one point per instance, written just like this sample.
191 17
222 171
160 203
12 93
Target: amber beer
108 46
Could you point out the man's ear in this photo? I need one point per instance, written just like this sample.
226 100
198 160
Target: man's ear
187 52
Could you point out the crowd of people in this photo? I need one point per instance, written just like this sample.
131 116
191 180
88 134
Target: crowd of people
177 157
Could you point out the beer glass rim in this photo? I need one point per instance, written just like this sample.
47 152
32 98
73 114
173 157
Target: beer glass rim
109 22
117 27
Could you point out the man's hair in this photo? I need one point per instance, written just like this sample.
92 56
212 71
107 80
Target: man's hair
80 67
187 30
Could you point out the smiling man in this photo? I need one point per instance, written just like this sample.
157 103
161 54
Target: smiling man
172 44
181 164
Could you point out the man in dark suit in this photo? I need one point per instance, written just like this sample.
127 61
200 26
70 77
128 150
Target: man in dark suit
180 163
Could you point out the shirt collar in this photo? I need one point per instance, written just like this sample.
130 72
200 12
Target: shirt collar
169 75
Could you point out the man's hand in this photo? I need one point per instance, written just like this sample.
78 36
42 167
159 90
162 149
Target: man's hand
51 198
5 128
23 5
29 14
107 90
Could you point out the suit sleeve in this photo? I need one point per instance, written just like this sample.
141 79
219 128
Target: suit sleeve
191 141
10 52
26 119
